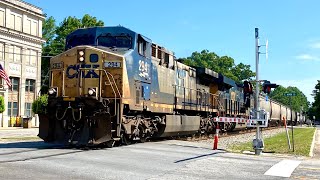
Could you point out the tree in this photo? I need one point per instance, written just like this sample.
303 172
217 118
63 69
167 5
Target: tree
298 102
55 39
2 108
40 104
315 109
243 72
224 65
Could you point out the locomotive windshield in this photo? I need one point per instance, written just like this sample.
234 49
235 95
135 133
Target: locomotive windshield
114 41
77 40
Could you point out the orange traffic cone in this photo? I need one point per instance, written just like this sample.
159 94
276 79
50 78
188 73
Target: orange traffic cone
216 138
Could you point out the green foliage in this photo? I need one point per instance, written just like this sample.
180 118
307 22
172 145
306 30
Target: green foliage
2 108
224 65
39 106
298 102
315 109
55 39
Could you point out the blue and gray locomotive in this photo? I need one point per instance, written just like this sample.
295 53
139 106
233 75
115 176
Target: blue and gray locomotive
115 85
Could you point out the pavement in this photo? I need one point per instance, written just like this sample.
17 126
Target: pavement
16 133
151 160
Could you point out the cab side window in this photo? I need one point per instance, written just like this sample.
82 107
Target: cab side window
142 47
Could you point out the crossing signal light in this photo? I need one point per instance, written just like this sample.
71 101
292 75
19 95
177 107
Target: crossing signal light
247 87
268 86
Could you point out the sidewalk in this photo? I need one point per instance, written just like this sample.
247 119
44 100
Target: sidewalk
316 149
18 132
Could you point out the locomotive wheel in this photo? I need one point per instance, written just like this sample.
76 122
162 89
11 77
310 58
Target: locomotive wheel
125 140
110 144
142 135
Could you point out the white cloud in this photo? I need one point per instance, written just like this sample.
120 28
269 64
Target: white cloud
315 45
304 85
307 57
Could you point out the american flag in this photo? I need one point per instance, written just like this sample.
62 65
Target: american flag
4 76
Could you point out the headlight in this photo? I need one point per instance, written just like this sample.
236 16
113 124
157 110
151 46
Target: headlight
53 91
92 91
81 53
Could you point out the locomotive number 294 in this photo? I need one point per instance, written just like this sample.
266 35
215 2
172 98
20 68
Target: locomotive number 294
143 69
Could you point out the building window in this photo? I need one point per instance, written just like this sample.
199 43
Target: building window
2 15
1 51
27 56
30 85
12 108
27 109
34 28
27 26
18 23
10 52
15 83
33 57
11 21
17 54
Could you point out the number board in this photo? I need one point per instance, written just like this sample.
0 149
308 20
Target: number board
112 64
56 65
290 94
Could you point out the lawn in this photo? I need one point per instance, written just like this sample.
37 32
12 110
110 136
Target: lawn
20 138
279 144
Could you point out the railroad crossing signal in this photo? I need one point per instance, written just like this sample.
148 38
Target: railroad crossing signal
266 87
290 94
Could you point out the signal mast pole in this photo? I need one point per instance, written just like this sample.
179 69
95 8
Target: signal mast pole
258 142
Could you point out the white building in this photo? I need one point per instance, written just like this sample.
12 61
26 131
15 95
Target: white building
20 56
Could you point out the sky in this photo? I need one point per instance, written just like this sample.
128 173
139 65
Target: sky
225 27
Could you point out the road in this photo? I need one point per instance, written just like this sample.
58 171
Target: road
152 160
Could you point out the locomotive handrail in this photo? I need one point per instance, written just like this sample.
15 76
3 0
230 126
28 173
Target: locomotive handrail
112 83
215 97
107 73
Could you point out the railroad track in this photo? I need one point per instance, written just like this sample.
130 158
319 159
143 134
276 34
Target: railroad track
200 137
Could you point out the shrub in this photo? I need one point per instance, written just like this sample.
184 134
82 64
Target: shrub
39 106
2 108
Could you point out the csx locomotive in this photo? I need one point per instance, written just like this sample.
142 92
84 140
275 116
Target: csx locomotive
113 85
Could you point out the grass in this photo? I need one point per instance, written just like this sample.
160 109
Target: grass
278 144
20 138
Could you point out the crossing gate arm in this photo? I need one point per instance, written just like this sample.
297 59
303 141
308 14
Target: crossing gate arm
249 122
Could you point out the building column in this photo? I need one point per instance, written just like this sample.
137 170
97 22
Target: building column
22 89
5 117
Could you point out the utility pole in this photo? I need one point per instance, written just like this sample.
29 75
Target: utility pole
258 142
291 124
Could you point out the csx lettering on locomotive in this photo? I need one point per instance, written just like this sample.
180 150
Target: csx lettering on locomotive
73 71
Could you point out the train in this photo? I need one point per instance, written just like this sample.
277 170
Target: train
113 85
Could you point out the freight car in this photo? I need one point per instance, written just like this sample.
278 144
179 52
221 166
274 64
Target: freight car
115 85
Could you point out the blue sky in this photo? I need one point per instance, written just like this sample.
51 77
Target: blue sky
225 27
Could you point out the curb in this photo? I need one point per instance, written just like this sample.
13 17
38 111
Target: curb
313 142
